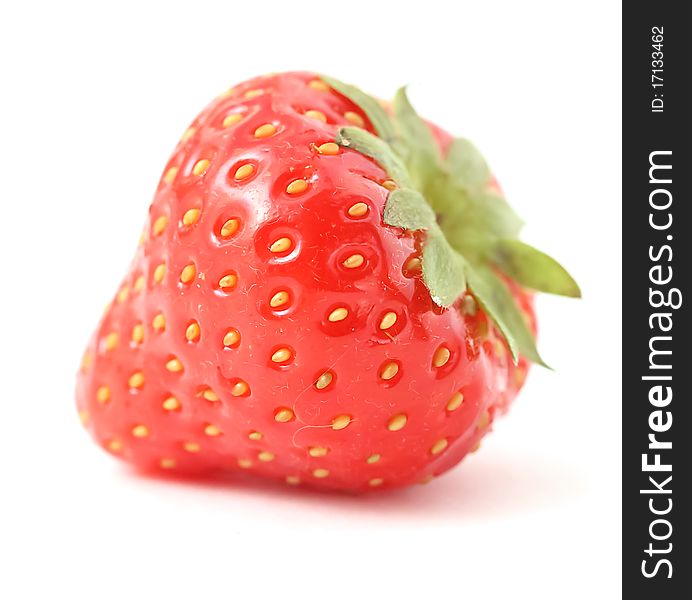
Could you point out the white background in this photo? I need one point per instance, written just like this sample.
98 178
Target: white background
94 100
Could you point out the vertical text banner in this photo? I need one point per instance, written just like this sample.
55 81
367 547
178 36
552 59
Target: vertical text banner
657 267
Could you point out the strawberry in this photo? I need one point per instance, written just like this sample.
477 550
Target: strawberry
325 292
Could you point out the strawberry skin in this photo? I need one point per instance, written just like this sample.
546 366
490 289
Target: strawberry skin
272 322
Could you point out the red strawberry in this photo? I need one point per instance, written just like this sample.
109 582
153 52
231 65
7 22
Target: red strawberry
296 308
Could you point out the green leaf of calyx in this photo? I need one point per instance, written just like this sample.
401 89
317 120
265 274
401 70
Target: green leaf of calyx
534 269
473 213
423 154
366 143
444 269
370 106
466 166
406 208
472 222
500 306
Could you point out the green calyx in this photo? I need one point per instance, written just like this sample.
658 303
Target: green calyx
471 233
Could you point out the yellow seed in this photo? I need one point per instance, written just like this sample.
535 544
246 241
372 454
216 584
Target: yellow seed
123 294
232 120
136 380
292 479
373 458
328 148
281 355
139 284
413 264
397 422
174 365
159 225
265 456
519 377
138 333
159 322
189 132
340 422
244 463
253 93
389 184
455 401
191 216
321 86
281 245
140 431
231 338
255 436
103 394
388 320
297 187
338 314
212 430
229 228
188 273
240 388
354 261
426 479
228 282
284 415
279 299
441 356
171 403
265 130
389 370
111 341
324 380
359 209
475 447
316 114
244 172
321 473
159 273
439 446
318 451
115 445
200 167
484 421
375 482
168 463
192 332
83 417
210 395
87 361
354 118
191 447
170 174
